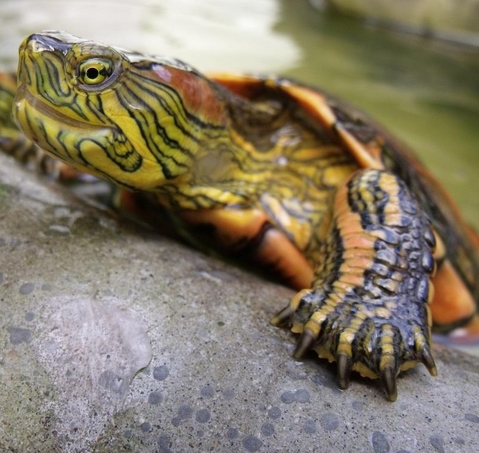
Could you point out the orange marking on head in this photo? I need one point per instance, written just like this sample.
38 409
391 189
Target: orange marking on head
196 93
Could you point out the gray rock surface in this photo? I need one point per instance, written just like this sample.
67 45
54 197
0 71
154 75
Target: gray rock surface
114 339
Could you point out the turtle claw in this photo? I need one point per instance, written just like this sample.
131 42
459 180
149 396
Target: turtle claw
344 370
305 342
287 313
370 346
389 380
282 317
428 361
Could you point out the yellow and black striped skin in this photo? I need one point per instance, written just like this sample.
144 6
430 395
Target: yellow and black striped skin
13 141
267 166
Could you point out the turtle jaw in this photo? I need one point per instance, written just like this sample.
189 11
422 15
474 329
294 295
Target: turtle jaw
75 143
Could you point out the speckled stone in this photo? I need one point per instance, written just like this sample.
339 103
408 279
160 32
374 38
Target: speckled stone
357 406
309 426
26 288
19 335
232 433
207 391
274 413
252 443
203 416
146 427
29 316
329 421
472 418
297 396
155 398
267 429
437 443
160 373
380 443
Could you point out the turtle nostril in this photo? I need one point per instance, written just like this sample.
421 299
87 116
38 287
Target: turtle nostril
43 42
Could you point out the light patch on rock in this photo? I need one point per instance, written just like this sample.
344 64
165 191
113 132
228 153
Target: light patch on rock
91 348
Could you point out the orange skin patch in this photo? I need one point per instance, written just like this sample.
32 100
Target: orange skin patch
234 228
287 260
452 301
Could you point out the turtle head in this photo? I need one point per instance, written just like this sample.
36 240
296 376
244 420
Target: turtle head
123 116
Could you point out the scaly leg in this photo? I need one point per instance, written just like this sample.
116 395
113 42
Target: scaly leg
368 306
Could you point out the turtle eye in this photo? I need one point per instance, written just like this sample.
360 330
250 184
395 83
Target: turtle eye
95 71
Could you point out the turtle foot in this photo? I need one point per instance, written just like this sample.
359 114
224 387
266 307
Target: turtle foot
368 309
357 339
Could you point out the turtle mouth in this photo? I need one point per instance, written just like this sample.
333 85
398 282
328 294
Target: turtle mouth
49 112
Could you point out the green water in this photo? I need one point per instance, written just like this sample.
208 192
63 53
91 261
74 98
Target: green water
425 92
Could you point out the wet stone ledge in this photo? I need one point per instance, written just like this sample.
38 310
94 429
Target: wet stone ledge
116 339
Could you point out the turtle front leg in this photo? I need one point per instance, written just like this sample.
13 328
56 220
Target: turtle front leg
368 306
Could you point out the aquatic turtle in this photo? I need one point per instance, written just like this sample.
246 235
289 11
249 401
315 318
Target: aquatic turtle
279 172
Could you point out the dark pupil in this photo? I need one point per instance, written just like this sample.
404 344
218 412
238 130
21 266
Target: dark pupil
92 73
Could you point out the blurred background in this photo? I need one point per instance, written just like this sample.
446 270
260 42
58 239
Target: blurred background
413 65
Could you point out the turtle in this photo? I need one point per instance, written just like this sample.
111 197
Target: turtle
273 171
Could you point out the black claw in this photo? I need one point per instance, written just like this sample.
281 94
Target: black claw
426 358
344 370
282 317
429 237
428 263
389 380
306 340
